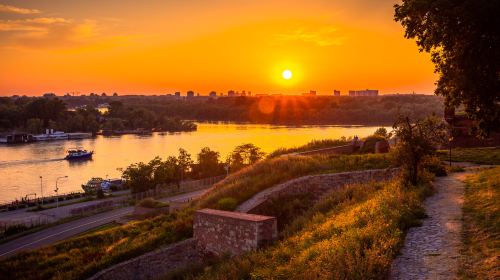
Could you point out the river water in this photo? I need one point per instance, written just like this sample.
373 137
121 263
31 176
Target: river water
22 165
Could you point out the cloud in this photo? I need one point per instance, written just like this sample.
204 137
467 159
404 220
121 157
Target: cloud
322 37
17 10
40 32
31 24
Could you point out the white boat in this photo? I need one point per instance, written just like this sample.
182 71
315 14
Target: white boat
50 134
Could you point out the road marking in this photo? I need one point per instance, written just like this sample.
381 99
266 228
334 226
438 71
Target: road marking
61 232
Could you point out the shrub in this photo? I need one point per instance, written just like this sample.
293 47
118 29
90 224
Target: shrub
369 144
227 203
100 193
151 203
434 166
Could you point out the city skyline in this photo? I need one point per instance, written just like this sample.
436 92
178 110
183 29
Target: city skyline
167 46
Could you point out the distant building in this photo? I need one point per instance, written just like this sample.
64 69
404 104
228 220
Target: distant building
212 94
367 92
190 94
231 93
336 93
310 93
177 94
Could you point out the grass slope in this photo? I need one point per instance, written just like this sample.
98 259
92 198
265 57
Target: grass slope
481 233
353 234
488 155
81 257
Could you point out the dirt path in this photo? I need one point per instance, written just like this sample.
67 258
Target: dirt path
432 251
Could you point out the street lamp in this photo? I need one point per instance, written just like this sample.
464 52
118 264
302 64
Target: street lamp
57 190
449 144
41 189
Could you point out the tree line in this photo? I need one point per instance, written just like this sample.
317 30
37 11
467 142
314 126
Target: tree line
35 114
173 170
283 110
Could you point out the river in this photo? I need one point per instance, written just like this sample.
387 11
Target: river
22 165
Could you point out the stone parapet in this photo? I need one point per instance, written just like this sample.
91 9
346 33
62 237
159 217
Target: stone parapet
222 232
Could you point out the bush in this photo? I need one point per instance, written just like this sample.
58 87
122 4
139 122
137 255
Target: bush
434 166
100 193
227 203
369 144
151 203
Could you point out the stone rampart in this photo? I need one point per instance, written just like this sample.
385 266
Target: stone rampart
154 264
317 185
222 232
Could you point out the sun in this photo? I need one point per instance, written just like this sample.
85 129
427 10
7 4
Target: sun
287 74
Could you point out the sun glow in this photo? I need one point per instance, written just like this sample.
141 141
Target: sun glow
287 74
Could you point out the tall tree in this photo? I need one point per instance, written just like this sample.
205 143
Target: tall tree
463 39
416 141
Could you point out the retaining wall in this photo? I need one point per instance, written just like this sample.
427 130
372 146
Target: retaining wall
318 185
155 264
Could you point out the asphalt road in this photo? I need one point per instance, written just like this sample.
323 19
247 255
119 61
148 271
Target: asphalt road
63 231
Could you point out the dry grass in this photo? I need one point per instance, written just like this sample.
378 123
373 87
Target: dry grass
353 234
251 180
481 236
488 155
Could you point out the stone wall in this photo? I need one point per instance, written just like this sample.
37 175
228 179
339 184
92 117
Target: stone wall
339 150
317 185
155 264
222 232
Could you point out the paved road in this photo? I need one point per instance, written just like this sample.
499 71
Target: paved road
63 231
53 214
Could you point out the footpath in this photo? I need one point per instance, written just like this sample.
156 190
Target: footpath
432 251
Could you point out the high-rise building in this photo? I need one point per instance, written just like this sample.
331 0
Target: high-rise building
336 93
367 92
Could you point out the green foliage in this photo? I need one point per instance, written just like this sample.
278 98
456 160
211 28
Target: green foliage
151 203
244 155
481 214
416 141
382 132
227 203
140 177
313 145
488 155
369 143
184 162
133 116
353 234
434 165
100 193
208 165
462 37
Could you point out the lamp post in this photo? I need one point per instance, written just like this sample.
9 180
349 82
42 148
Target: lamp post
41 189
449 144
57 190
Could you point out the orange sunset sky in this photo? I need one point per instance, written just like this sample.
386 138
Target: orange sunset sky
154 46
